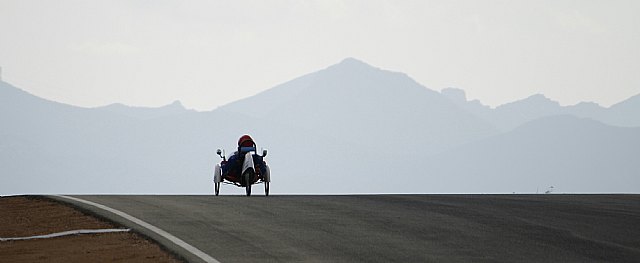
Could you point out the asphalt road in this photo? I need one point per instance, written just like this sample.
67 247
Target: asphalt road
395 228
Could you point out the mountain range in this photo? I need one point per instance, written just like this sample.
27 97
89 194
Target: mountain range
511 115
349 128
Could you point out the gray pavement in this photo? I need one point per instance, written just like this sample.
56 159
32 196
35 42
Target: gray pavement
394 228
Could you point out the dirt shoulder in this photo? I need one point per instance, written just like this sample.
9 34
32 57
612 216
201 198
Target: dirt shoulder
22 216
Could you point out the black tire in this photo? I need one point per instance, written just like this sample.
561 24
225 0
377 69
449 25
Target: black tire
266 188
247 180
217 187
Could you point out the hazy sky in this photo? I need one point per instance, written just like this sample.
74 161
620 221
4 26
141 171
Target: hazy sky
209 53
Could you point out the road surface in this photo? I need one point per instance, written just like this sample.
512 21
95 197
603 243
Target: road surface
393 228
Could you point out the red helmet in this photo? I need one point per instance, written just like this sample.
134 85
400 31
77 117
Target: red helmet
245 141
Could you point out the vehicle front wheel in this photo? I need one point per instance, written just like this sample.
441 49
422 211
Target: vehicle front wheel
266 188
217 187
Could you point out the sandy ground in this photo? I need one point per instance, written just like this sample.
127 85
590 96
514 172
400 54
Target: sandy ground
28 216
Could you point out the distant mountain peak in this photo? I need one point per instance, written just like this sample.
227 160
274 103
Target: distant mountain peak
538 96
351 64
176 104
455 94
537 100
352 60
587 105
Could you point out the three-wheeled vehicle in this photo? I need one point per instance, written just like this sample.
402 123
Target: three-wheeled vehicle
250 173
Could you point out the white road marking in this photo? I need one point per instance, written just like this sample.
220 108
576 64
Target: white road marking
66 233
153 228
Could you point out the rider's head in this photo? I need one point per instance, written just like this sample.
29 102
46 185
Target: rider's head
245 141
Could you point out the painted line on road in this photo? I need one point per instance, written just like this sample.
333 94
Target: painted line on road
67 233
165 234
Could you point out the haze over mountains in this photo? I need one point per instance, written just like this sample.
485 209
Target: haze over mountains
511 115
349 128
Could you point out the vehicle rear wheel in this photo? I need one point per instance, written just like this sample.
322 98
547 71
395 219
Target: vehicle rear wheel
217 187
247 180
266 188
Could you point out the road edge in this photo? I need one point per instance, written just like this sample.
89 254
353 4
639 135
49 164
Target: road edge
167 242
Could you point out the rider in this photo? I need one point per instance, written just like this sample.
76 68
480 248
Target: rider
232 166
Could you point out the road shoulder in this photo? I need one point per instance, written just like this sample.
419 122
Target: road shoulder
25 216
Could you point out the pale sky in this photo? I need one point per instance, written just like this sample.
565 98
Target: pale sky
209 53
